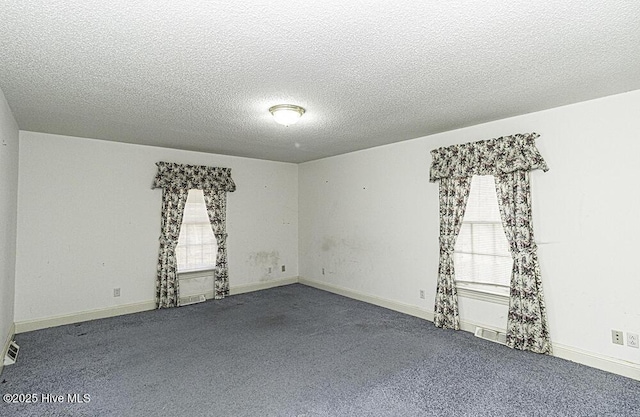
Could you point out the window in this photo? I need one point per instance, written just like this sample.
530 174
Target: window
481 256
197 247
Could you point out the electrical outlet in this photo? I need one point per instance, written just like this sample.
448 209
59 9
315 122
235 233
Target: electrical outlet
632 340
269 269
616 337
283 268
116 292
322 271
422 294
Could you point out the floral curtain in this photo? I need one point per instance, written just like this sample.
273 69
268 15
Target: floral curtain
527 320
487 157
509 159
176 180
193 177
167 291
454 193
216 202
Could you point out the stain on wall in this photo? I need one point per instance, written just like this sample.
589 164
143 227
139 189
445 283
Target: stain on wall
343 256
328 243
264 260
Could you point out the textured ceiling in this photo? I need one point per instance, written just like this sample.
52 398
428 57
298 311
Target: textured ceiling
200 75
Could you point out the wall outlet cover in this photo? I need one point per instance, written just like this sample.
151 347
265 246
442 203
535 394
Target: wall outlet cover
616 337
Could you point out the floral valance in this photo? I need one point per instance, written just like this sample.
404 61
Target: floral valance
487 157
193 177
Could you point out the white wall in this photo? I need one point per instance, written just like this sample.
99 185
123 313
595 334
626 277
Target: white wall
89 222
8 213
370 219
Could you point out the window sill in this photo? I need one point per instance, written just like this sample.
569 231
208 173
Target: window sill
196 273
475 293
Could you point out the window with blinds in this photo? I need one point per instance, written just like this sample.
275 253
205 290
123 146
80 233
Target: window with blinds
481 257
197 246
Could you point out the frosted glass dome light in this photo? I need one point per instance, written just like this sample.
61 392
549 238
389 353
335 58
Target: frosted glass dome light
286 114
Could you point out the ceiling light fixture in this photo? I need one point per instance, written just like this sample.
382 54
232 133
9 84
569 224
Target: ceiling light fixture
286 114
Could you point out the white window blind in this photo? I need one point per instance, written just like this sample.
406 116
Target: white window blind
197 246
481 256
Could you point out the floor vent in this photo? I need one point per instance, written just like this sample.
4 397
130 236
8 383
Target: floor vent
491 335
192 299
12 354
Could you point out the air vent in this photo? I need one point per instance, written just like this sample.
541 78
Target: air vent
491 335
192 299
12 354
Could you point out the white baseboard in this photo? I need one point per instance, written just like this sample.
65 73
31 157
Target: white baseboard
101 313
594 360
380 302
263 285
5 346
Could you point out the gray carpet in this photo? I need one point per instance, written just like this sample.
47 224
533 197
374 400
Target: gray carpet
297 351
